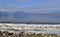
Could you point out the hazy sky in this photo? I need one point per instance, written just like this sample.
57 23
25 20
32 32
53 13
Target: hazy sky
30 5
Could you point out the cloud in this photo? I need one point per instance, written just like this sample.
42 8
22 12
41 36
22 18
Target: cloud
37 9
30 9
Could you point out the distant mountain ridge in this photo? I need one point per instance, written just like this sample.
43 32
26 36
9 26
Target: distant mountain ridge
27 17
22 12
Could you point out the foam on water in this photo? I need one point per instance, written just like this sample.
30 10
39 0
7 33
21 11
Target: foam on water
34 25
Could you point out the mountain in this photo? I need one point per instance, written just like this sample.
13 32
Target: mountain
4 14
20 14
16 14
27 17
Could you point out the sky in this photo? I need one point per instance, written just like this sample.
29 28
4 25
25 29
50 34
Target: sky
43 6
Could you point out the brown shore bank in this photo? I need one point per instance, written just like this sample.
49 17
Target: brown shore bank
24 34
